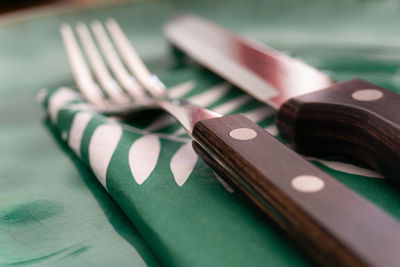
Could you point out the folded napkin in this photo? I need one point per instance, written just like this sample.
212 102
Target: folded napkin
184 211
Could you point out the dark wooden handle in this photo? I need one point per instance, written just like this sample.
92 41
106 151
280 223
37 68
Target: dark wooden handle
337 226
354 119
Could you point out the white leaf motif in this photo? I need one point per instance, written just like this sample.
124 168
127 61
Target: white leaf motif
143 157
260 113
224 184
177 91
347 168
272 129
224 108
210 95
163 121
182 163
180 90
59 99
233 104
78 127
203 99
101 148
41 96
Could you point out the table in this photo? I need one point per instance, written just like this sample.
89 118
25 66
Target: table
52 209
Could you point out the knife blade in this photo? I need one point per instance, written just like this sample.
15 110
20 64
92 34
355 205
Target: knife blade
317 116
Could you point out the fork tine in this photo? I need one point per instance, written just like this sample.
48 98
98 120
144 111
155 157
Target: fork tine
127 81
134 62
80 70
108 84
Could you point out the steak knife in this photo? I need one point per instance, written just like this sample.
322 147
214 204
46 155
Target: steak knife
331 222
317 116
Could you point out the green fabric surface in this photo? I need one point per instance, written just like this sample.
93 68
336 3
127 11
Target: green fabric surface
53 211
198 223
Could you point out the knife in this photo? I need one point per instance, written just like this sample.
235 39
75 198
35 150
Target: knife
331 222
317 116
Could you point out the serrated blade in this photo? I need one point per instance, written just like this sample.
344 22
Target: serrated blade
266 74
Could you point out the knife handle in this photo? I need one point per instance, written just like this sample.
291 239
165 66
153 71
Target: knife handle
337 226
354 119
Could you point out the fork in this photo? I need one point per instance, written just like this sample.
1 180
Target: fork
307 203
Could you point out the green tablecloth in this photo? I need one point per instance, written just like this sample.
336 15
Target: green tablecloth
53 211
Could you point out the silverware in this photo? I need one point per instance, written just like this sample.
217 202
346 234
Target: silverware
306 202
126 94
354 119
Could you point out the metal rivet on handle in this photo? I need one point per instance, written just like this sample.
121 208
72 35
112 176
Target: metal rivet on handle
243 134
367 95
307 183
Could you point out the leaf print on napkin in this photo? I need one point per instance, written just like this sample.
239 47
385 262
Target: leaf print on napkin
347 168
181 89
41 96
232 105
143 157
272 129
77 129
176 91
102 145
183 163
225 108
260 113
59 99
210 95
224 183
202 99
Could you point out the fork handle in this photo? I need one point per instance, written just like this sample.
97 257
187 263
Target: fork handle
334 224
